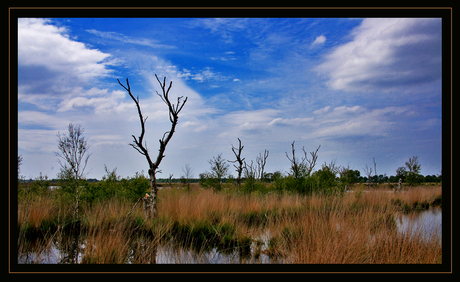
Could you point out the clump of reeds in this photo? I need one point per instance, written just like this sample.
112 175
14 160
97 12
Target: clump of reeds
354 230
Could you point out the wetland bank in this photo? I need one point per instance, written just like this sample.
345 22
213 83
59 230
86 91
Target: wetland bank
205 226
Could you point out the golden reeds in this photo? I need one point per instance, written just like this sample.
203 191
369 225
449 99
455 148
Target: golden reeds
302 229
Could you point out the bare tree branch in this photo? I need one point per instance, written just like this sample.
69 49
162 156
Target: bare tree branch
375 166
368 172
301 169
312 162
138 142
261 162
150 200
239 168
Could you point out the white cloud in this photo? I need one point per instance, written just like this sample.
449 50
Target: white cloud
128 39
323 110
319 40
37 140
42 46
291 121
386 54
206 74
223 26
242 118
103 102
41 119
194 126
346 121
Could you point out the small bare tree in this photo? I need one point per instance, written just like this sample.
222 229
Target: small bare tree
239 168
301 169
368 172
312 162
375 166
73 149
250 170
150 207
170 180
261 162
188 173
295 166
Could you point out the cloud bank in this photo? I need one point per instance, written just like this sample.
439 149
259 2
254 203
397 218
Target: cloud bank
386 54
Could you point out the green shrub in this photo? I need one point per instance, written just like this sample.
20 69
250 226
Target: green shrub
252 185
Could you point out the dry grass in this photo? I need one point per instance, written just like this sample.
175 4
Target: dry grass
351 228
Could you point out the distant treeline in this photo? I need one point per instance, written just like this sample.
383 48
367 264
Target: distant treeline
269 178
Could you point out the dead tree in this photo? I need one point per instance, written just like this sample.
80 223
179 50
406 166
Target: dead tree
170 180
250 170
302 169
368 172
375 170
239 168
295 168
150 201
312 162
261 162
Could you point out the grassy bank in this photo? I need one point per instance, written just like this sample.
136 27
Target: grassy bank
356 227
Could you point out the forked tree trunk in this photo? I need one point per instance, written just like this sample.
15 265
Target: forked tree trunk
239 168
150 201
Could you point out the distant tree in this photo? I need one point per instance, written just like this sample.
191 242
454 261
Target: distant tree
170 180
368 172
188 173
401 173
207 180
326 179
303 167
250 171
348 176
239 168
219 169
413 171
40 185
431 178
261 162
73 150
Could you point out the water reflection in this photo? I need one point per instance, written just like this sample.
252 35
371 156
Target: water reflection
427 224
65 249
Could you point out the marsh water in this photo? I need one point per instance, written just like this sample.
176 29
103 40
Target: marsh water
427 223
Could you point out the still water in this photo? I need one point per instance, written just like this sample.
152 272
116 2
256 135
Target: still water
428 223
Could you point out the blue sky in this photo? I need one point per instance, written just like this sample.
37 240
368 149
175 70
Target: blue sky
360 88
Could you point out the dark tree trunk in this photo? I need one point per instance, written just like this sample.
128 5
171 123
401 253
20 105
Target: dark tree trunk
150 201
